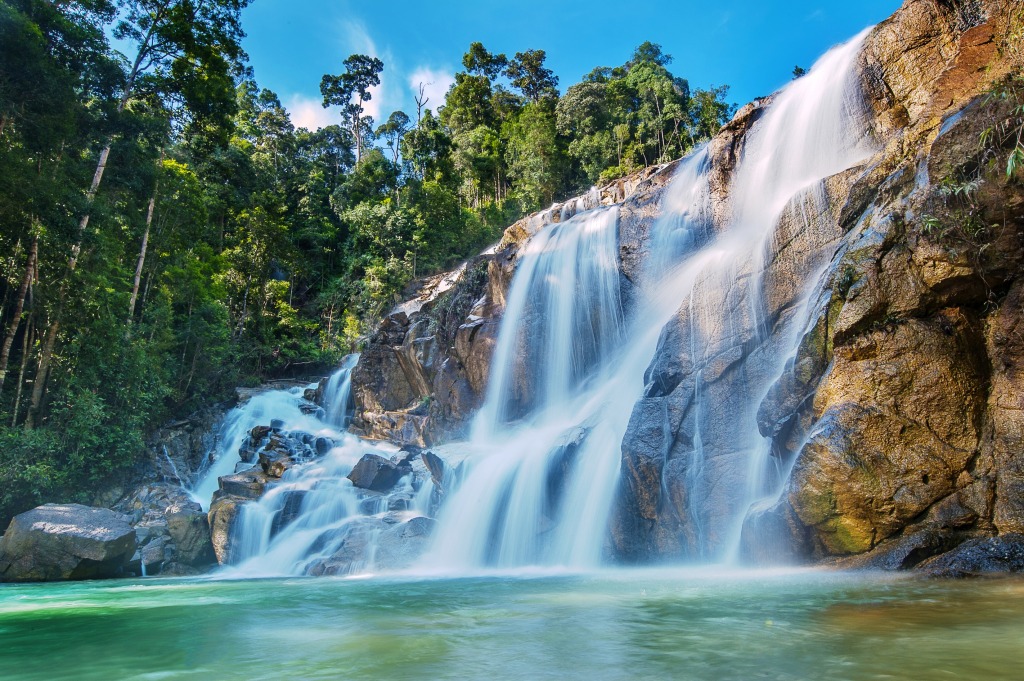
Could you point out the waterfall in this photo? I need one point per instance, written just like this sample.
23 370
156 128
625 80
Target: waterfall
590 365
262 408
336 398
541 475
540 449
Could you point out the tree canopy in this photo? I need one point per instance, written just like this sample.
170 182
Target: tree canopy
168 233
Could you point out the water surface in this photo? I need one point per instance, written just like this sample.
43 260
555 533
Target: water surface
614 625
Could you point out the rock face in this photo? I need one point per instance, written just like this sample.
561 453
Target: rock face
900 412
896 427
179 450
424 372
66 541
172 530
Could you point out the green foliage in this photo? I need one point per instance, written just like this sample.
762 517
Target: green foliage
1006 136
218 245
622 119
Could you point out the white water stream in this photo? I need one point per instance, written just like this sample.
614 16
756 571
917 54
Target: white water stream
569 366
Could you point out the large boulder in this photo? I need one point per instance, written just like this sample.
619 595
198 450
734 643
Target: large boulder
172 529
376 473
900 413
222 516
66 541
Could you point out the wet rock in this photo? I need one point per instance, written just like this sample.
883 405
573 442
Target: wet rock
275 463
905 552
258 438
166 517
378 544
402 501
311 410
350 548
402 544
435 465
1004 553
66 541
375 473
290 510
250 484
223 514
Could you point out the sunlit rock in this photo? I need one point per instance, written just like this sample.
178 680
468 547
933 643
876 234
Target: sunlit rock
66 541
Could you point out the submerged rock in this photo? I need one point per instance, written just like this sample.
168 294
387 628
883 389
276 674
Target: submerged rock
377 543
66 541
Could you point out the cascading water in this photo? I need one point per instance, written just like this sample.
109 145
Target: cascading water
309 513
260 409
272 405
536 482
337 393
542 470
524 481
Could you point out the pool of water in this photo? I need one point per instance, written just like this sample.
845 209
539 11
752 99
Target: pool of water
612 625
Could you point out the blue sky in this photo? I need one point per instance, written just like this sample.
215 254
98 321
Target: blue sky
749 45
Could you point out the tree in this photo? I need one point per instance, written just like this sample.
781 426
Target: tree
184 52
535 156
351 90
393 131
651 53
478 61
529 75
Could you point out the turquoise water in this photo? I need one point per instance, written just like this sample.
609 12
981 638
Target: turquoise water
615 625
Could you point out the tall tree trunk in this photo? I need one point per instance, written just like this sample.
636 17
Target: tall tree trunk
245 309
26 344
51 334
42 373
145 244
19 307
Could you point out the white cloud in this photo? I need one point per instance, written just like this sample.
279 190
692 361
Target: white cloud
309 113
435 85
